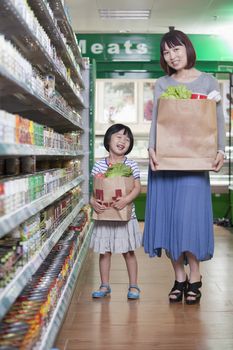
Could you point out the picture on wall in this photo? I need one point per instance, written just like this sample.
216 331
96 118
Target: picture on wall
119 102
225 94
148 92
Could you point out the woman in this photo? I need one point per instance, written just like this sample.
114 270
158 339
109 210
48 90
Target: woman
179 209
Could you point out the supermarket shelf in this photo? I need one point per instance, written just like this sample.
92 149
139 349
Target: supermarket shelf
10 221
49 336
15 287
65 25
33 50
32 150
40 8
39 109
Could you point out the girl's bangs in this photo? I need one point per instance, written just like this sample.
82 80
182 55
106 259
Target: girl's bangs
126 132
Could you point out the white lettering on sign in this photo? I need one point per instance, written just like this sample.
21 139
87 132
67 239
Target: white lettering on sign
127 46
83 46
97 48
142 48
113 48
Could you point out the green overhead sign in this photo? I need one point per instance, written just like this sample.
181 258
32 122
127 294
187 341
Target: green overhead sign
145 47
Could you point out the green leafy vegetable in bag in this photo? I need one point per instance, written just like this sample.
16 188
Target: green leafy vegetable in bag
177 92
118 169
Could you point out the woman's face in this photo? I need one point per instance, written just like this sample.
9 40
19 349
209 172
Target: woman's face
176 56
119 143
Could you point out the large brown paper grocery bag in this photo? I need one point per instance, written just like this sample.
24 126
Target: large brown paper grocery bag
107 190
186 134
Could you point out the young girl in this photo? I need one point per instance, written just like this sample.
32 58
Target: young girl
117 236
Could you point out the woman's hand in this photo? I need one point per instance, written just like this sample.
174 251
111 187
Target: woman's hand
152 159
218 163
97 205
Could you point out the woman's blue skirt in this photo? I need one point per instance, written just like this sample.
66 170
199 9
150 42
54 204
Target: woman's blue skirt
178 216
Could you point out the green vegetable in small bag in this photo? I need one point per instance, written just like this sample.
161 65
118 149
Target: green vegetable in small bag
119 169
177 92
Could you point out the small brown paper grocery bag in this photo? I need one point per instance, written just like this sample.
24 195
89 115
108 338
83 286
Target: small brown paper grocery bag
186 134
107 190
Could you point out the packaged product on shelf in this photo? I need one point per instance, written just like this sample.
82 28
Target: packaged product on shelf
49 85
37 83
47 217
7 127
10 258
38 134
14 63
12 166
22 129
42 164
2 167
48 132
28 165
31 134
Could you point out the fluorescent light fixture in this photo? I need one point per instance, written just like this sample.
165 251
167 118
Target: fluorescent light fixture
124 14
131 71
130 60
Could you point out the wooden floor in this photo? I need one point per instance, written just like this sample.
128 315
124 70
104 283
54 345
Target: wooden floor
114 323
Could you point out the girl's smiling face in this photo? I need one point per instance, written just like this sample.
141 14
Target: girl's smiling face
119 143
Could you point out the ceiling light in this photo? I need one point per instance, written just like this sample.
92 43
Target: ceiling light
130 60
124 14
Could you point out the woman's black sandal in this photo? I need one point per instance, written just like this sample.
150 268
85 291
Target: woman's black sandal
177 291
193 292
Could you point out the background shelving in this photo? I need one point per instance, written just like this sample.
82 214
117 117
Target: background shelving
14 288
32 150
63 20
41 46
18 97
51 332
10 221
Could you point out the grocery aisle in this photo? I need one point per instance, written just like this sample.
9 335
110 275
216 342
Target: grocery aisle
115 323
45 153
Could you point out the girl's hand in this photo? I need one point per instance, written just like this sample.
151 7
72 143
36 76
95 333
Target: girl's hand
152 159
120 203
218 163
97 205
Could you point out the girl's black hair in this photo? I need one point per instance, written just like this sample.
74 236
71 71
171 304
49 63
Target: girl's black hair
113 130
176 38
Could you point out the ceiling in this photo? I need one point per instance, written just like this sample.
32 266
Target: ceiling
190 16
